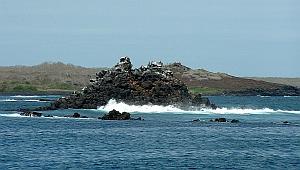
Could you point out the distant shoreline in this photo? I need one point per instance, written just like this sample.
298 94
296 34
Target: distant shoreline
35 93
60 78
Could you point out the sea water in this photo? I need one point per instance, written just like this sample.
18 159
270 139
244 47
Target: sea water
167 138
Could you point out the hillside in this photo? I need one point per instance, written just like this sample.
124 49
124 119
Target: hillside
59 77
45 77
280 80
209 83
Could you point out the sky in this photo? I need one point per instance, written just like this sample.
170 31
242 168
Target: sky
239 37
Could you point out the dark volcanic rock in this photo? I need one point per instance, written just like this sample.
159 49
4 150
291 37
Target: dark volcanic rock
31 114
224 120
196 120
219 120
151 84
116 115
235 121
76 115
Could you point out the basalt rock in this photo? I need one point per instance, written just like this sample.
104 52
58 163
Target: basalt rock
31 114
116 115
151 84
75 115
235 121
219 120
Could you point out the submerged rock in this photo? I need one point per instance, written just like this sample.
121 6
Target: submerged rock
224 120
235 121
139 118
76 115
31 114
116 115
218 120
221 120
286 122
151 84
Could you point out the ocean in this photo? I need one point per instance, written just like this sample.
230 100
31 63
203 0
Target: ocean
167 138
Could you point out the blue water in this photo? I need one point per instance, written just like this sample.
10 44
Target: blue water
164 140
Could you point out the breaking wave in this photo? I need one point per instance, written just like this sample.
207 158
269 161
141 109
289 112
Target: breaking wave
12 115
53 117
33 100
14 100
20 96
8 100
122 107
248 111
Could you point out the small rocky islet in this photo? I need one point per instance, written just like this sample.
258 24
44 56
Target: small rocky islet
152 84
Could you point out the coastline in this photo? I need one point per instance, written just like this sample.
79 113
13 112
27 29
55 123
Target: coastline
36 93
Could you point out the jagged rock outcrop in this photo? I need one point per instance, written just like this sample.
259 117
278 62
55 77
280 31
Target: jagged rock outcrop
116 115
151 84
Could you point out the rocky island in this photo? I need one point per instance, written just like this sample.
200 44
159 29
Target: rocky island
152 84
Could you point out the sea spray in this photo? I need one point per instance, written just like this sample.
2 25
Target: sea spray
123 107
14 100
20 96
8 100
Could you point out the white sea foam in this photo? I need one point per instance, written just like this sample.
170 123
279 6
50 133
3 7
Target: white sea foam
12 115
248 111
53 117
32 101
262 96
122 107
8 100
20 96
14 100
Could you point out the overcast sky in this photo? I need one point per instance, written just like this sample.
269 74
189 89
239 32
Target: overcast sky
239 37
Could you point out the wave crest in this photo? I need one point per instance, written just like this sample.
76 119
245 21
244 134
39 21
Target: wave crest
14 100
122 107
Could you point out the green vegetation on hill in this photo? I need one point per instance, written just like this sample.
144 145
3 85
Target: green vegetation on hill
205 90
14 86
17 86
24 87
46 77
61 86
